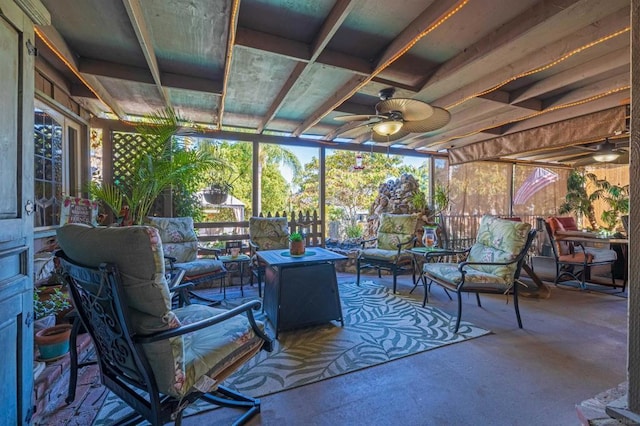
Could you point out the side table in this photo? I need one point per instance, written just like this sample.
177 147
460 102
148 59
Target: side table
429 254
232 263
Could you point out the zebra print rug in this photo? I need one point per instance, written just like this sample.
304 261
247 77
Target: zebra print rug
378 327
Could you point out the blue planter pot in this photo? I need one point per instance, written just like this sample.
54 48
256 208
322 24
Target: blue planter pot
53 342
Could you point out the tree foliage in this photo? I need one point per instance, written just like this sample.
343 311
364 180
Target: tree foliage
347 190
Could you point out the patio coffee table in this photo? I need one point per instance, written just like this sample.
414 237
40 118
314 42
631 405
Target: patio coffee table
301 291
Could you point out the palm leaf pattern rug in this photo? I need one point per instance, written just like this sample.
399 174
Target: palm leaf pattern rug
378 327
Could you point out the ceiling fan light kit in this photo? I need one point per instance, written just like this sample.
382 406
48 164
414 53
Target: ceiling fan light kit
387 127
606 157
396 118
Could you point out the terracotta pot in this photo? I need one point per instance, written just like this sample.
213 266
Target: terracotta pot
53 342
296 248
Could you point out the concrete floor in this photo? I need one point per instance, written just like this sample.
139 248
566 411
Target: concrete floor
572 347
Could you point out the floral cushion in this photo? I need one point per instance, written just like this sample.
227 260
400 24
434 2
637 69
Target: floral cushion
137 250
474 278
385 255
204 358
269 233
395 229
178 237
498 240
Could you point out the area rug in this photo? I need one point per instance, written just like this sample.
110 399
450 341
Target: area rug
378 327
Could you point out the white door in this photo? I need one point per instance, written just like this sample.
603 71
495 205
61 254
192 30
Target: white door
16 221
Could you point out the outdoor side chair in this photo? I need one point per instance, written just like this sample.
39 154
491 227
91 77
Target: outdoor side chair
266 233
492 264
182 251
119 288
396 234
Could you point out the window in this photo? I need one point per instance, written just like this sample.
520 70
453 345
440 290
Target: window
56 163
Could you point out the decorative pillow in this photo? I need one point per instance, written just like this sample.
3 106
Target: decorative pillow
555 224
568 223
498 240
137 251
178 237
269 233
395 229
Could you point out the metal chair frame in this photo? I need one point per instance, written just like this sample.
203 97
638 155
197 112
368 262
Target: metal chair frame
124 367
460 287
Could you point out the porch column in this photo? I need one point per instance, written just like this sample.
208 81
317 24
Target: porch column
634 216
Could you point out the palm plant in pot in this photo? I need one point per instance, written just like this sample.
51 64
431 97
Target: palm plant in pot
163 164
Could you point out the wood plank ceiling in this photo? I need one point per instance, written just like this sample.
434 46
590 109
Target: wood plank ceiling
500 67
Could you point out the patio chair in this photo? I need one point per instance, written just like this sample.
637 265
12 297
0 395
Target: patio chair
575 259
396 234
266 233
119 288
492 264
181 249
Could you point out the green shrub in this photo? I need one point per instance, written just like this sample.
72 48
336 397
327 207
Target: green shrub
353 231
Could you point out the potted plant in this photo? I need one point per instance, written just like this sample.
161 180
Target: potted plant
52 340
296 244
217 192
164 163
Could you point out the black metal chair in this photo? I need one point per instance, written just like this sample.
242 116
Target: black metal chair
142 344
575 260
492 264
180 297
396 234
182 250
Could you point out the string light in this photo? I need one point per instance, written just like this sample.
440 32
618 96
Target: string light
541 68
71 67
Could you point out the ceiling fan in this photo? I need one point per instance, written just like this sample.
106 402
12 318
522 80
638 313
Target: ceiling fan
604 152
395 118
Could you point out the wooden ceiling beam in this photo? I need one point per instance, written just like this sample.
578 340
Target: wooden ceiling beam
330 26
142 75
435 13
336 17
473 132
282 94
616 59
617 23
611 84
500 45
52 38
136 17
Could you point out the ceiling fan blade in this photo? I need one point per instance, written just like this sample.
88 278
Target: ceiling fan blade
411 109
354 132
394 137
348 118
438 119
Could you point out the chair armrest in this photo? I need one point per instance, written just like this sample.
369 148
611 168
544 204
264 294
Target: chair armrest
409 241
177 275
172 261
370 240
462 265
199 325
206 250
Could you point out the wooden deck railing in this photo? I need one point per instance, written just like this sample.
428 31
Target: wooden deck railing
308 223
460 230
